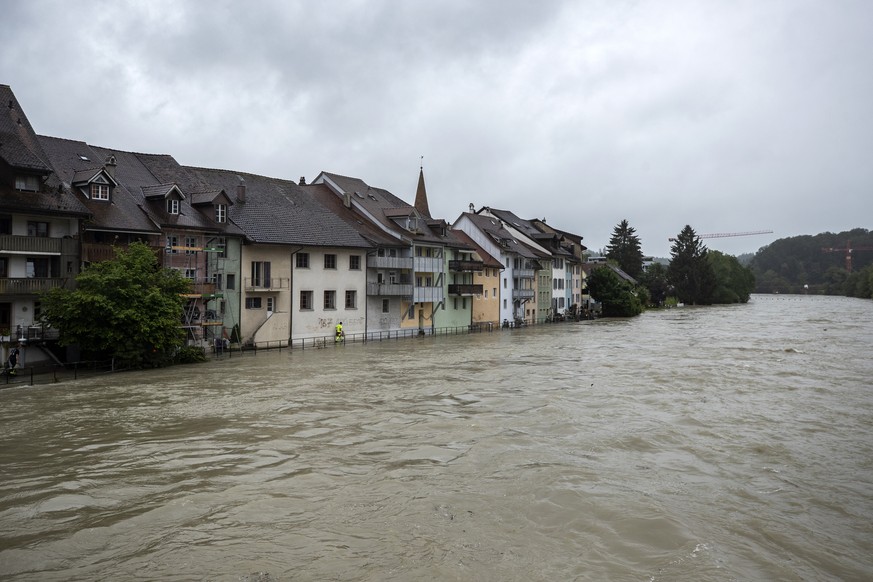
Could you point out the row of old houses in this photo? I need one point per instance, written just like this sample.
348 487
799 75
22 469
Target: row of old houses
271 261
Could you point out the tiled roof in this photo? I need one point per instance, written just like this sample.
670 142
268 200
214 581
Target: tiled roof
19 146
387 208
123 213
376 236
278 211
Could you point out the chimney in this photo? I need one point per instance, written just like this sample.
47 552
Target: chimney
303 180
110 164
347 200
241 191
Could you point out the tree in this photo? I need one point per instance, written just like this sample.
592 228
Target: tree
690 271
128 309
625 249
734 282
616 296
654 278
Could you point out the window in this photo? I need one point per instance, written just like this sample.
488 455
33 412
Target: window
221 245
172 206
231 281
329 261
253 302
355 263
221 213
217 281
191 274
386 305
330 299
486 293
190 243
306 301
4 267
351 299
37 228
261 274
271 304
5 224
172 243
26 183
36 267
99 191
302 260
504 282
494 292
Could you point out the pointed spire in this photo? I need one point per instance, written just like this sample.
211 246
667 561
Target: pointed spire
421 194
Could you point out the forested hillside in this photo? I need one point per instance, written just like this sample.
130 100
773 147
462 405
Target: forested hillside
801 265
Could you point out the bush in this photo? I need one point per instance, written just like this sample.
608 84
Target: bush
190 355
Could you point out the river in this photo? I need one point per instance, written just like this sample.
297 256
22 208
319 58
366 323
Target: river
694 444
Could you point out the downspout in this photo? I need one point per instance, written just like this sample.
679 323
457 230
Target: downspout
291 297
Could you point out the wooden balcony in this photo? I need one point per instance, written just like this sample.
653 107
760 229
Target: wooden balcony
18 244
464 289
464 266
29 285
389 289
523 293
428 294
398 263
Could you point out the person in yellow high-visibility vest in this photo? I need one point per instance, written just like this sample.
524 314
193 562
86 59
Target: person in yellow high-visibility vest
340 334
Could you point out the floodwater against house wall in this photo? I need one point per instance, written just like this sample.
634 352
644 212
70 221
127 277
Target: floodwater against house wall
696 444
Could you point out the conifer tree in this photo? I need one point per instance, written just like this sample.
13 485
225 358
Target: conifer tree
625 249
690 272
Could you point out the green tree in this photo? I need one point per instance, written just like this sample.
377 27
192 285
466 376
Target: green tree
690 272
616 296
625 249
734 282
128 308
654 278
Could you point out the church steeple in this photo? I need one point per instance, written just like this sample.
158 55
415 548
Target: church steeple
421 194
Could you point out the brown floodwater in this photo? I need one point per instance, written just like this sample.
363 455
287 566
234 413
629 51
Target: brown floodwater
692 445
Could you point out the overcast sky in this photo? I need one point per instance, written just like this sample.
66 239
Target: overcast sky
730 116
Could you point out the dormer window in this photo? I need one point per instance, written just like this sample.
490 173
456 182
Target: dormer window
221 213
26 183
99 191
172 206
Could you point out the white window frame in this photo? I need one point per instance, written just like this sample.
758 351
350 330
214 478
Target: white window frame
100 191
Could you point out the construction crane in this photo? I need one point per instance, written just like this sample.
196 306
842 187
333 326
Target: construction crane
726 234
848 250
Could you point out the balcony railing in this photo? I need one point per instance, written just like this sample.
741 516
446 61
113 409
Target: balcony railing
460 266
390 289
523 293
428 265
524 273
14 243
36 333
427 294
29 285
468 289
389 262
262 285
